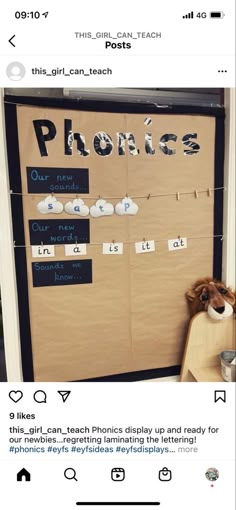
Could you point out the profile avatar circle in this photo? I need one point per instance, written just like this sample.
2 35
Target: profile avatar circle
212 474
15 71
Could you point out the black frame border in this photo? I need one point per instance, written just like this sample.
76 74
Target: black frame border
11 103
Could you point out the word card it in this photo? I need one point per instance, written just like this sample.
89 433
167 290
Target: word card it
59 231
145 246
47 274
57 180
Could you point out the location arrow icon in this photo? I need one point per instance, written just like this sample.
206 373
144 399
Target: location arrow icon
64 395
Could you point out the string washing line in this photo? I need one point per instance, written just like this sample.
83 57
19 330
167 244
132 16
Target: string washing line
176 194
124 242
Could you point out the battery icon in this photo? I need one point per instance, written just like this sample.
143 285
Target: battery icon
216 14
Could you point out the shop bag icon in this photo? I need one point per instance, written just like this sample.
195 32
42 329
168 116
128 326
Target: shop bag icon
165 475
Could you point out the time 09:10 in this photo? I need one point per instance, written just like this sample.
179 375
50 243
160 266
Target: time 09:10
31 14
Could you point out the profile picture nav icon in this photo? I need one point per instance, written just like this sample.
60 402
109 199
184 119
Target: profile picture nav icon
117 474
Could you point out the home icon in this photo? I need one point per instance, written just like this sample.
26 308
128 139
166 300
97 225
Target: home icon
23 475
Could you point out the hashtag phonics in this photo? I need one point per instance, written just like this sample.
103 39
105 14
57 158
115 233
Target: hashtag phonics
21 449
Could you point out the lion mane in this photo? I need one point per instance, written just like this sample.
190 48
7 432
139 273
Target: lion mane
213 296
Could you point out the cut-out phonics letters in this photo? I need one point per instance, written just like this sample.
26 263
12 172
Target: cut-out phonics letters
59 231
77 207
112 248
62 272
104 145
50 205
145 246
148 121
126 206
177 244
43 251
75 250
57 180
101 208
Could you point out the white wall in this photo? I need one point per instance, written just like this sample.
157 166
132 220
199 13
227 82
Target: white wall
229 202
7 266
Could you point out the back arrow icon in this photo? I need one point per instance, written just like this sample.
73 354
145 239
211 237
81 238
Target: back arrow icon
10 40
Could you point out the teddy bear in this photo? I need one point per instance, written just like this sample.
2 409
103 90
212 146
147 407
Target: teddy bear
212 296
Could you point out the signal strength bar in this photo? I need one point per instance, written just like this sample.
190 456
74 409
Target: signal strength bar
189 15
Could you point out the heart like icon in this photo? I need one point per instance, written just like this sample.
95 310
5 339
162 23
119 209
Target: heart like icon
15 395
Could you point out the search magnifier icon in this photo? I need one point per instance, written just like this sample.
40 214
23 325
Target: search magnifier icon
70 474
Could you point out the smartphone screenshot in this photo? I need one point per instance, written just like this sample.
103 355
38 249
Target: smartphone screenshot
117 255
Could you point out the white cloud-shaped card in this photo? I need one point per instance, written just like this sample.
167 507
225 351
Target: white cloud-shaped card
126 206
77 206
50 205
101 208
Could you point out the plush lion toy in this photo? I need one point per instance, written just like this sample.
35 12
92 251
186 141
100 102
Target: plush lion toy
212 296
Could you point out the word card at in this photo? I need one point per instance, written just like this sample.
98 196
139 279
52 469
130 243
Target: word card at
112 248
145 246
57 180
43 251
177 244
75 249
47 274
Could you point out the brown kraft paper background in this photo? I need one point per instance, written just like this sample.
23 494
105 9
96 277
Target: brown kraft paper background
133 316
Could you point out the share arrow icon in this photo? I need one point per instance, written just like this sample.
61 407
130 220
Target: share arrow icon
64 395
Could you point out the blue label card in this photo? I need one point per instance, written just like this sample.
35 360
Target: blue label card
57 180
47 274
59 231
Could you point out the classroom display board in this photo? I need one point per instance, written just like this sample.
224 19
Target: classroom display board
118 217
